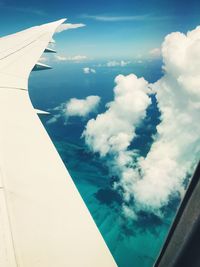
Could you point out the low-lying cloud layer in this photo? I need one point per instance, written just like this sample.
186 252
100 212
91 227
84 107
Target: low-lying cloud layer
148 183
76 58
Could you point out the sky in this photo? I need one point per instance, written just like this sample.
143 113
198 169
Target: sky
119 32
115 29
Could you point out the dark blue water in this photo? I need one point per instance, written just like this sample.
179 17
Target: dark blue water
133 244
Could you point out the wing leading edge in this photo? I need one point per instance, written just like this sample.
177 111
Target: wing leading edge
43 219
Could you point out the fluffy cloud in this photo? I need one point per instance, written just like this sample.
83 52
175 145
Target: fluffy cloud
115 63
88 70
76 107
68 26
150 182
76 58
111 132
82 107
177 145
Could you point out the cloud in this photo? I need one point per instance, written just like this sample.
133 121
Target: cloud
149 183
70 58
54 119
111 132
155 52
68 26
88 70
115 63
110 18
76 107
76 58
177 144
129 212
82 107
60 58
115 18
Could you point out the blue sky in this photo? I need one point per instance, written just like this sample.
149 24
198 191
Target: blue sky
117 29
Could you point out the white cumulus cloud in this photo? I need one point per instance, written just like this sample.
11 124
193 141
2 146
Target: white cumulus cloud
115 63
88 70
177 145
150 182
111 132
76 107
82 107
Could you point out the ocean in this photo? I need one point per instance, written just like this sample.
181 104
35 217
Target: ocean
132 243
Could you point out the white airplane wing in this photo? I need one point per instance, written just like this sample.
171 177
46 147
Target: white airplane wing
43 219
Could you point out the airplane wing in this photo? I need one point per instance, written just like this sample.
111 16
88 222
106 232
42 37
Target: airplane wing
43 219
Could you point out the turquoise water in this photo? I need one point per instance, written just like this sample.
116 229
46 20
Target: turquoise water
133 244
